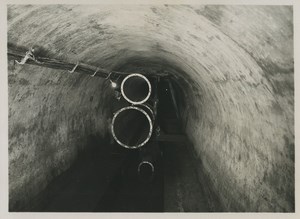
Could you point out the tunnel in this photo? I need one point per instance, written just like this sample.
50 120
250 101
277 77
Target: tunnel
223 133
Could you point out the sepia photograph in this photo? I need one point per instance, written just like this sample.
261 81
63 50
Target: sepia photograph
150 108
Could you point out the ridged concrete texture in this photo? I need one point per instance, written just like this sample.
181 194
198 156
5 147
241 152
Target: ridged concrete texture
236 69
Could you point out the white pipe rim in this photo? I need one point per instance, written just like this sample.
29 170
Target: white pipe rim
149 108
146 162
136 75
150 124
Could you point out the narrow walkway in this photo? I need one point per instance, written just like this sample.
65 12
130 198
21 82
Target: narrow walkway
128 193
105 179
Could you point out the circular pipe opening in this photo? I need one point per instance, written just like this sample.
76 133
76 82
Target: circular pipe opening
132 127
136 88
146 170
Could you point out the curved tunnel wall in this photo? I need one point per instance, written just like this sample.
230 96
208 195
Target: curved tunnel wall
52 116
235 63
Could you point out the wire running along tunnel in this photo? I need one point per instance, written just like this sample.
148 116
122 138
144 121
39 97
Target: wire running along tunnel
230 90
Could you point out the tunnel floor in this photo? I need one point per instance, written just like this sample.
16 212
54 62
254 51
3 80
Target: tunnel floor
105 180
127 193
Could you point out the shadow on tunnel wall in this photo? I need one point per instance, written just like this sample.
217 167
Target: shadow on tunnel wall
232 68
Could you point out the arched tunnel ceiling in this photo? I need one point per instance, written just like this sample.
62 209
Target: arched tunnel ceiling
235 64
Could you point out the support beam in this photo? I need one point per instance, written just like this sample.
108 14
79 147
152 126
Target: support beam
174 99
18 54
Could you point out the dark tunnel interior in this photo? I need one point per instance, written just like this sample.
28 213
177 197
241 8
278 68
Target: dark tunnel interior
210 129
133 185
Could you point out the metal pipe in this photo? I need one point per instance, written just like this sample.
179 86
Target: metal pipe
146 170
132 126
149 161
136 88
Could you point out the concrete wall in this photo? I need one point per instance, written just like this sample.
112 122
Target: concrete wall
235 63
51 117
246 134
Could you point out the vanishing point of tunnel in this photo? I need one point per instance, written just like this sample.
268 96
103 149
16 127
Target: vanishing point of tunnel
151 108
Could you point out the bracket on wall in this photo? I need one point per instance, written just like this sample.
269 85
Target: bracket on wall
29 55
93 75
72 71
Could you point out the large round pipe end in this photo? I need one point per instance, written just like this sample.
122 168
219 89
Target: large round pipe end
132 127
136 88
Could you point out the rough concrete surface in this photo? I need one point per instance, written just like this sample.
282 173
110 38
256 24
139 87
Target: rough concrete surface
235 64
